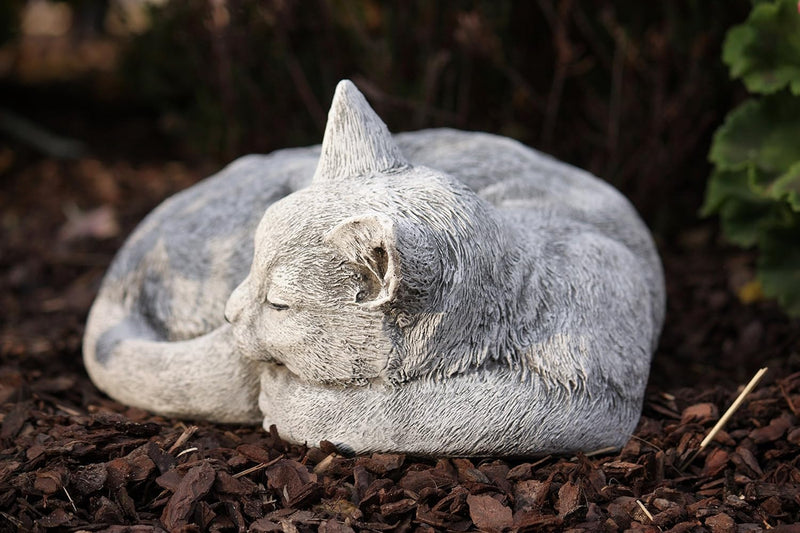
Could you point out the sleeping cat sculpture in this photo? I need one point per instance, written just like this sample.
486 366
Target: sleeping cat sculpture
437 292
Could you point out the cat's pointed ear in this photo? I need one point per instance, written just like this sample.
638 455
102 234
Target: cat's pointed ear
369 243
356 141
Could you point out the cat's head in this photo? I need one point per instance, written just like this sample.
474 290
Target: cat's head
367 265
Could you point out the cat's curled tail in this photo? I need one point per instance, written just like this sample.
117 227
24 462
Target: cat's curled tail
199 378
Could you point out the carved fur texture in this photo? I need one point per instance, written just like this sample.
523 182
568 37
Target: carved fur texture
438 292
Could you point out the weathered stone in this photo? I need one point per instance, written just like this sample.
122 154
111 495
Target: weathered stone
436 292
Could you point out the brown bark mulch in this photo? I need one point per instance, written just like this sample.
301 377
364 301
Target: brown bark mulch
71 459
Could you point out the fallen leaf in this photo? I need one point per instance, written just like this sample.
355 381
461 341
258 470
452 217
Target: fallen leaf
745 458
382 463
254 453
194 486
489 514
721 523
774 430
700 413
715 462
622 469
293 482
570 499
50 481
416 480
530 494
468 473
399 507
497 472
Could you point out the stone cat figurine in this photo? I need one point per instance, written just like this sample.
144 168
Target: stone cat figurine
437 292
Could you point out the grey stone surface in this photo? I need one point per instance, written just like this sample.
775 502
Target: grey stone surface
433 292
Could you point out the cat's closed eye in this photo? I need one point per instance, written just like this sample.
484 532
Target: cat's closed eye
277 305
274 302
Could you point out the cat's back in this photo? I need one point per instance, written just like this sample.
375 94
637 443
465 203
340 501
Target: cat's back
178 267
225 208
546 202
531 188
190 253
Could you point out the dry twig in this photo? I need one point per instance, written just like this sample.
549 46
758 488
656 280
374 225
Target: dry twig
185 436
602 451
732 409
187 450
725 417
71 501
258 467
645 511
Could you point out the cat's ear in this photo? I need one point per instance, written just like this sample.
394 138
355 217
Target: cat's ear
369 243
356 140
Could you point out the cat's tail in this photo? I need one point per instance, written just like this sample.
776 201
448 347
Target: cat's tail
200 378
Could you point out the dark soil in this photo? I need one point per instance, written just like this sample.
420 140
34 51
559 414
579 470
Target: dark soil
71 459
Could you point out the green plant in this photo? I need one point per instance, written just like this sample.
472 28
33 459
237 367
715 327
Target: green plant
755 185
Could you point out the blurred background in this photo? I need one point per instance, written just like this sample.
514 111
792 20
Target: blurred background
628 90
107 107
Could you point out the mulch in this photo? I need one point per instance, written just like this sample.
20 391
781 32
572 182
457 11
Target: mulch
71 459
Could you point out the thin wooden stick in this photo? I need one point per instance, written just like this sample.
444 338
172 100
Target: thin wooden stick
74 508
724 420
647 442
184 452
185 436
602 451
646 512
732 409
258 467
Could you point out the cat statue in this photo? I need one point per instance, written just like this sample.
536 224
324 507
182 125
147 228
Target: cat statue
438 292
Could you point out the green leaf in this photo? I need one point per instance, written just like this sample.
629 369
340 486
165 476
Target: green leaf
755 186
787 187
742 211
743 223
765 51
779 266
725 187
737 140
760 134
